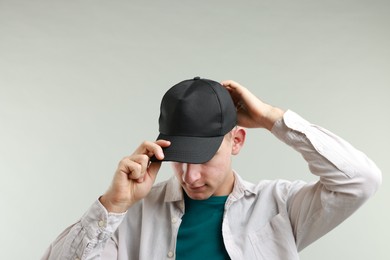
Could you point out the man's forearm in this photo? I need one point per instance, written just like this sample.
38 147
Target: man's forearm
86 238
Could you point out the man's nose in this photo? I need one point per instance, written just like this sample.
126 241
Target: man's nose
191 173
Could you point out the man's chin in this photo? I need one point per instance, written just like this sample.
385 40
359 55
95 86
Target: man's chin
198 194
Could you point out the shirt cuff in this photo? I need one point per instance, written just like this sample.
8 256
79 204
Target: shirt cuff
290 121
100 224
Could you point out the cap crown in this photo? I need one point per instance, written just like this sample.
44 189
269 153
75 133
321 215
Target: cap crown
197 107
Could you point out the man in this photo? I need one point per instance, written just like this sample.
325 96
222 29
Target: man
206 210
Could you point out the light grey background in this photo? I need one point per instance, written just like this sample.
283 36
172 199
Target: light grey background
81 83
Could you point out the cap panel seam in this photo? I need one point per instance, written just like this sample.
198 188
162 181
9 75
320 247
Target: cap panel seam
220 107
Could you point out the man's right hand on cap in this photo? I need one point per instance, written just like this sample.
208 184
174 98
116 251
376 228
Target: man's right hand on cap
134 177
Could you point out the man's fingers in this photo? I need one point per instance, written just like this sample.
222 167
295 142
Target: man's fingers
138 165
161 144
236 91
132 167
229 83
153 148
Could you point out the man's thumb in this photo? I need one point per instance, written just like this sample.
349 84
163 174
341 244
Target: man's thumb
153 169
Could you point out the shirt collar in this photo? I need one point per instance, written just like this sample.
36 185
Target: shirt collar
241 187
174 191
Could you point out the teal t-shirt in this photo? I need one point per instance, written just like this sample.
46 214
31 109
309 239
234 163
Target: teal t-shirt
200 233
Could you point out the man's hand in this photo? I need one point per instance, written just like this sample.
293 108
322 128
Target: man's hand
134 177
251 111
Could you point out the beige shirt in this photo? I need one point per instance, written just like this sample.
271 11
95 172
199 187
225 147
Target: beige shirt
270 220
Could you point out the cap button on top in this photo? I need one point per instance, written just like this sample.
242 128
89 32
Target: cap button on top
196 78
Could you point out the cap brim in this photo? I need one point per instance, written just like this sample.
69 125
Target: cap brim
189 149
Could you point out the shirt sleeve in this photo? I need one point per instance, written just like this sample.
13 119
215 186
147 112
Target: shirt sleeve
347 178
87 238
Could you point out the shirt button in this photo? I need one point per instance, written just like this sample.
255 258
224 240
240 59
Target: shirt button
101 223
170 254
174 220
102 236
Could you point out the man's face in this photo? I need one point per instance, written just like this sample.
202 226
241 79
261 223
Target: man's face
213 178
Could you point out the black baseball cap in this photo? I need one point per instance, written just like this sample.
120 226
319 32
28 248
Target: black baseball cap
195 115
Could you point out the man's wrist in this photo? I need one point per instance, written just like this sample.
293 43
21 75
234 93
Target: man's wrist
111 207
273 115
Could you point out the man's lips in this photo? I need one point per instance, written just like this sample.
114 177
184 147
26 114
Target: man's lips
196 188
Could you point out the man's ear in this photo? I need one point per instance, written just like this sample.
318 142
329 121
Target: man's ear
239 135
